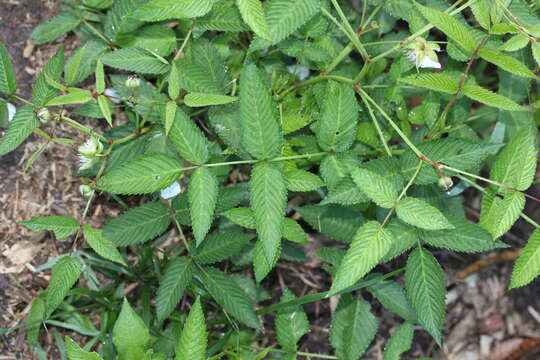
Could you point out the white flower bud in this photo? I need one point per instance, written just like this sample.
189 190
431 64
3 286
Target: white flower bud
445 183
44 115
133 82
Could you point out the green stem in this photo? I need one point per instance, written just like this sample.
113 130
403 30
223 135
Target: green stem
377 126
318 356
74 124
353 35
97 32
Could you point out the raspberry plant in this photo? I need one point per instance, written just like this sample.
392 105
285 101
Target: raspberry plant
244 126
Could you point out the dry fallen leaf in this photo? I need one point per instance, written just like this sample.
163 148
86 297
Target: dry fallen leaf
19 254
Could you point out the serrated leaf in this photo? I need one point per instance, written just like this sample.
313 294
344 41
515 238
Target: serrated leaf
201 99
515 43
345 193
261 264
465 237
393 298
130 335
419 213
158 39
142 175
170 115
253 14
506 62
286 16
76 97
188 139
230 296
375 186
35 317
202 195
339 115
62 226
490 98
291 323
220 246
527 266
101 245
498 214
159 10
83 62
75 352
353 327
405 238
65 274
261 134
42 91
136 60
193 340
171 288
54 28
400 341
105 107
242 216
425 285
337 222
480 10
18 129
433 81
174 82
225 121
100 77
138 225
516 164
292 231
8 82
450 26
268 198
368 247
301 180
222 18
120 23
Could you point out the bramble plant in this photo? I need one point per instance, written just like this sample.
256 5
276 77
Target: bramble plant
245 124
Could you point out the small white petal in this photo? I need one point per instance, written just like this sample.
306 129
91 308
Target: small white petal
428 63
411 54
84 162
171 191
299 70
11 111
112 92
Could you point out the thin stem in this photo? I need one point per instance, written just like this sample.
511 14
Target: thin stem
352 37
352 33
314 80
97 32
74 124
377 126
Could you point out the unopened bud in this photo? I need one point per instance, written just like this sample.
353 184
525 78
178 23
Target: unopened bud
86 191
445 183
133 81
44 115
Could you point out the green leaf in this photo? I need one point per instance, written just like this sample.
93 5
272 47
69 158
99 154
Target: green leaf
225 121
171 288
286 16
506 62
392 296
65 274
368 247
419 213
192 343
106 108
120 23
268 198
100 77
490 98
188 139
480 10
159 10
498 214
337 222
76 97
101 245
62 226
42 91
292 231
158 39
18 129
375 186
83 62
202 195
527 266
220 246
138 225
291 323
8 82
253 14
345 193
465 237
301 180
339 115
242 216
516 164
75 352
136 60
399 342
54 28
143 175
130 334
450 26
174 82
425 285
433 81
201 99
261 133
170 115
353 327
230 296
35 317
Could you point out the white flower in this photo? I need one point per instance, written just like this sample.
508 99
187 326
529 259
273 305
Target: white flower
85 162
114 94
299 70
88 152
11 111
423 53
171 191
